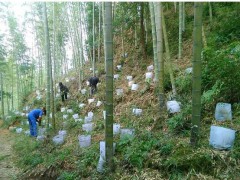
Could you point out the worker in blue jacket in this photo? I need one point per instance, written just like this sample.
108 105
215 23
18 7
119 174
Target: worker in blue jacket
33 117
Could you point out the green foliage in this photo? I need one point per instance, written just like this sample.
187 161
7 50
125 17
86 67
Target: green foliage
186 158
221 66
135 150
25 148
184 84
67 176
181 121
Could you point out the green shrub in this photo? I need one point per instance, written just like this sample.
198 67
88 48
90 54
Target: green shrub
222 66
180 121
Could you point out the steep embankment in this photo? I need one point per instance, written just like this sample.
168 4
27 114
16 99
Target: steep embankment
7 168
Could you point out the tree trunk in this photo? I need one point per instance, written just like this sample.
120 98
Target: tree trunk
93 62
104 37
48 56
210 12
180 31
168 58
142 37
158 16
99 32
109 85
2 97
154 40
196 78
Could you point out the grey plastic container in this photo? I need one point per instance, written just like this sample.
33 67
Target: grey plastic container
223 112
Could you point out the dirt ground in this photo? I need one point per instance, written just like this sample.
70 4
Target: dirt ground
7 169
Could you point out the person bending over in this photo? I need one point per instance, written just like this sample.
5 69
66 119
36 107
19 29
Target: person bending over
35 116
93 81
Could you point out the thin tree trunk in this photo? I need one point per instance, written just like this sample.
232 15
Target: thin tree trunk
122 36
154 40
168 58
175 6
196 78
104 37
180 32
183 16
109 85
48 64
210 12
2 97
158 16
99 32
142 37
93 62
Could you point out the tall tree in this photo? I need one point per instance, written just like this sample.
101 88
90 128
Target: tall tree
168 57
158 20
142 37
196 77
93 30
2 98
49 96
109 85
180 30
154 40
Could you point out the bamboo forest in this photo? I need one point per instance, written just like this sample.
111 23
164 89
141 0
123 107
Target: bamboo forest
119 90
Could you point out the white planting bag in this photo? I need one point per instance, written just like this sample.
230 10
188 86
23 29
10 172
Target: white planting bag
62 133
41 131
129 78
84 140
119 92
130 83
116 128
69 111
78 120
87 127
173 106
116 76
41 138
102 149
223 112
81 105
149 75
137 112
221 138
119 67
65 116
87 119
90 101
104 115
63 109
134 87
150 68
75 116
19 130
127 132
27 133
99 103
189 70
58 139
83 91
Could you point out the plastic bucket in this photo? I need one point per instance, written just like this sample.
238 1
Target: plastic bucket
134 87
221 138
127 132
59 139
129 78
84 140
149 75
87 127
223 112
173 106
119 92
116 128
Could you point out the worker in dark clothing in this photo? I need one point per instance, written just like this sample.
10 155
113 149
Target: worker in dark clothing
63 90
93 84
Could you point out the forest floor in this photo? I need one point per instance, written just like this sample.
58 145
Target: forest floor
7 168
